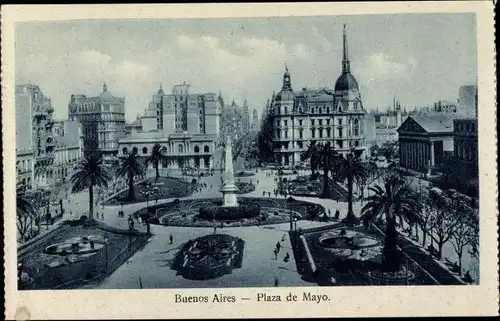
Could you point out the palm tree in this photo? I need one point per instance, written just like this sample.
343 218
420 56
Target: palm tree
157 155
350 168
90 173
323 155
130 167
392 200
25 210
311 154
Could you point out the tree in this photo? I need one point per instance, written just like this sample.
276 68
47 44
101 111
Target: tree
392 200
265 139
426 216
312 154
157 155
90 173
443 221
130 167
465 230
25 211
350 168
322 155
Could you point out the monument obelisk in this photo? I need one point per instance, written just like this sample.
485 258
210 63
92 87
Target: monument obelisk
228 187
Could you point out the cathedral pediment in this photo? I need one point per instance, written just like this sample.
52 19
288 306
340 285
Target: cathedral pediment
411 126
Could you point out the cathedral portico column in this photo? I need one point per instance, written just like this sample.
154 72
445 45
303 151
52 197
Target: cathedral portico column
432 153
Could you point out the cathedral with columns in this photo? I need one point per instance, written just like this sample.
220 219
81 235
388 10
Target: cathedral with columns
319 115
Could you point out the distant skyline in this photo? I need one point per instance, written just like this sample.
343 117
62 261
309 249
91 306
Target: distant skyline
419 58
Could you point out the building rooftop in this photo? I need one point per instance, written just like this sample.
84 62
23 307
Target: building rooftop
434 123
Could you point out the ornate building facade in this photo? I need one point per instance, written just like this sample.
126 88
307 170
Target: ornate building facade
46 150
186 124
34 138
319 115
102 119
235 121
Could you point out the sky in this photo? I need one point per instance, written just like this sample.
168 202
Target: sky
417 58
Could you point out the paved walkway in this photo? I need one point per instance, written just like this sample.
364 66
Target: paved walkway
259 266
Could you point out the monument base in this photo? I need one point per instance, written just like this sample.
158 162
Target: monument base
229 196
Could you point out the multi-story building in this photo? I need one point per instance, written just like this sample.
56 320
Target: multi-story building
68 149
465 144
467 100
255 121
102 119
234 121
47 150
34 139
320 115
186 124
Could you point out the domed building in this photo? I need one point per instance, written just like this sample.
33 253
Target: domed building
102 119
320 115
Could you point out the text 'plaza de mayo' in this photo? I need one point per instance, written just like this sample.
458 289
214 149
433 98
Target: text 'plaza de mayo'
191 127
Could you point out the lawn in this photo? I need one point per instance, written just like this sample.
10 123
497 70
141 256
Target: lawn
52 271
167 187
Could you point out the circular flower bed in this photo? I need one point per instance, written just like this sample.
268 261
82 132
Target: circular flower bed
218 212
209 257
400 277
187 212
244 188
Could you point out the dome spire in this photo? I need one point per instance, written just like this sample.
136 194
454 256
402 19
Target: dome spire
346 68
104 87
286 79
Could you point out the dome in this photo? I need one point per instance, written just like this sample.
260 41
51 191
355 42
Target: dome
285 95
346 81
106 97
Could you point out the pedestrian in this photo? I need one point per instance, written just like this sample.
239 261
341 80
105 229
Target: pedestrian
171 239
215 229
329 212
257 182
278 246
276 254
276 282
263 193
97 214
283 238
287 257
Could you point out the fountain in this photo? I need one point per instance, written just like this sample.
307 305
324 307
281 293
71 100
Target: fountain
229 189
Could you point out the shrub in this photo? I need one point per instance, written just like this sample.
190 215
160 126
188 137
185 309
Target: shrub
194 181
177 201
210 212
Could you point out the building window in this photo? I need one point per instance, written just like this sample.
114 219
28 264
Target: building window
300 122
196 149
312 122
328 132
313 133
286 110
320 121
144 150
320 132
285 123
206 149
340 132
328 122
134 150
340 121
286 133
300 145
301 133
180 149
